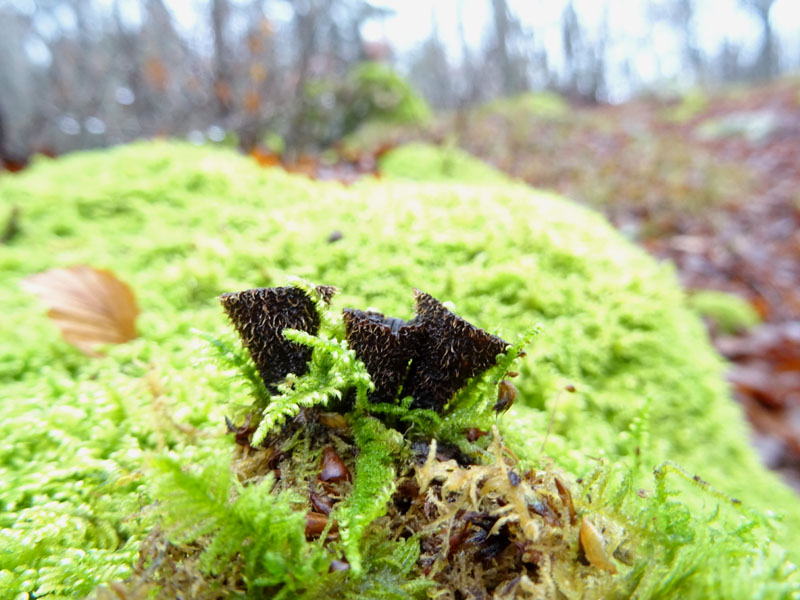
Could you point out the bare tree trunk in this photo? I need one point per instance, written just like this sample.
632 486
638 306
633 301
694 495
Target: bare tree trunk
501 28
685 14
2 135
306 30
223 90
766 65
570 41
470 89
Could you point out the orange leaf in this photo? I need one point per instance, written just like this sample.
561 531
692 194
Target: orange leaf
90 306
264 158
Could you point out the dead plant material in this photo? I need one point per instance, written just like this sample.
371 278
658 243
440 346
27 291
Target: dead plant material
333 420
485 529
506 394
594 547
90 306
310 458
566 499
332 467
315 524
166 571
487 532
241 433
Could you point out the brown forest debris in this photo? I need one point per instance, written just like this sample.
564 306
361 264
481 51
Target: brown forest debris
90 306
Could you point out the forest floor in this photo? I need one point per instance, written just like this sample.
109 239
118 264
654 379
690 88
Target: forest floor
710 181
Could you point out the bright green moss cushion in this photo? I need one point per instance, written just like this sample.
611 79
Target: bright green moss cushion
429 163
183 224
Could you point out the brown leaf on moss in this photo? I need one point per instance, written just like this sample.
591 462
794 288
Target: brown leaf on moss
315 524
506 394
332 468
91 306
566 499
594 547
260 315
449 351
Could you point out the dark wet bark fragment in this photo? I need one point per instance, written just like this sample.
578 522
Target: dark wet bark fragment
321 504
243 432
260 315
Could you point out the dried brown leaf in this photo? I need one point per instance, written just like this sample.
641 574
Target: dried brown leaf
594 547
332 468
91 306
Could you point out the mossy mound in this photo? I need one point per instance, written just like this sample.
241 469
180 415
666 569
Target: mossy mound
183 225
729 313
429 163
544 105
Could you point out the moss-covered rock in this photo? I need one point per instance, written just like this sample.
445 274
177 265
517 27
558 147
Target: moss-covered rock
371 93
729 313
545 105
183 224
426 162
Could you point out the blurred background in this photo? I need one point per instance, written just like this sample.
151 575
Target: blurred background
679 119
85 73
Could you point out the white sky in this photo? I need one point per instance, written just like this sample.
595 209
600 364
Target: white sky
654 53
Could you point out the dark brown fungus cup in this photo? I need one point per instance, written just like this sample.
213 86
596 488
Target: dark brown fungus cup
260 315
385 345
449 351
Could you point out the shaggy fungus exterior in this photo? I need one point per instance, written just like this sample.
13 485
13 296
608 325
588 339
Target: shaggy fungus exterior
260 316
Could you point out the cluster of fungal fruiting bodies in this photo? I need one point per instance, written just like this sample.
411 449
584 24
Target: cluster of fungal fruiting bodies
429 357
484 525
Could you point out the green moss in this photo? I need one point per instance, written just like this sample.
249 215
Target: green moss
728 312
183 224
380 94
426 162
689 106
545 105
